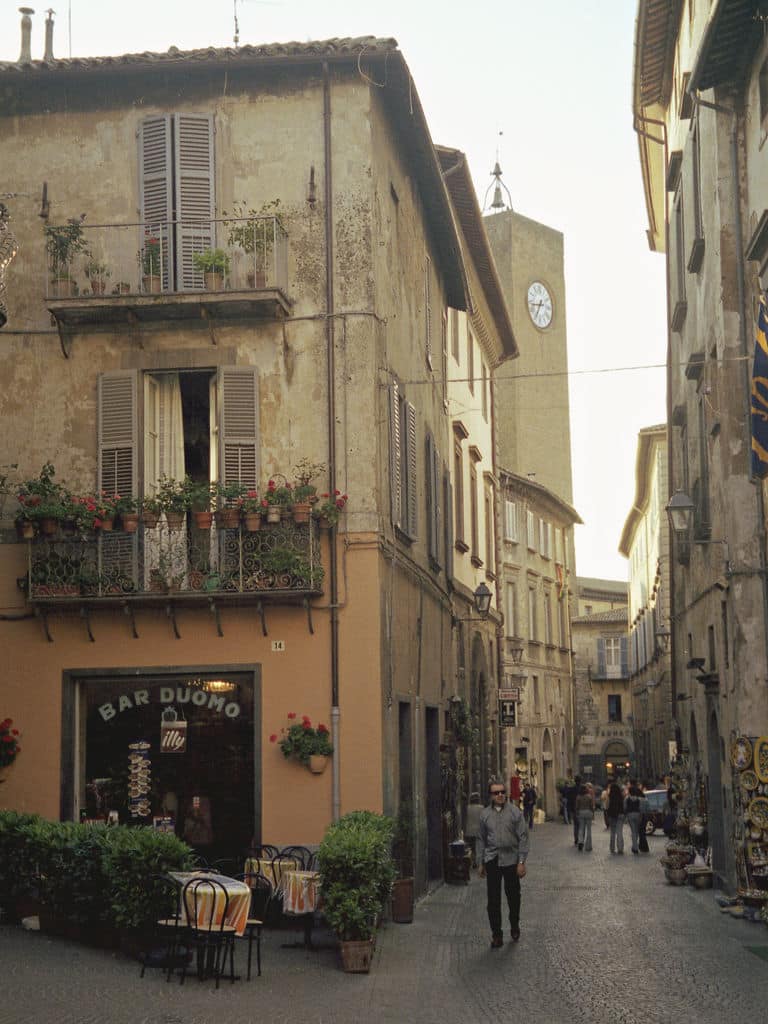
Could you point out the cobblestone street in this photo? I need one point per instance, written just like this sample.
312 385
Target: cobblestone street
604 939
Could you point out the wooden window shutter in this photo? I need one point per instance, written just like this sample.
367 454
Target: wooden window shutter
156 187
238 402
117 433
195 198
395 456
118 468
438 509
601 669
448 523
412 470
430 492
624 658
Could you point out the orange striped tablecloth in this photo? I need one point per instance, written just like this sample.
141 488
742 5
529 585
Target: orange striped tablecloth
274 871
301 891
238 905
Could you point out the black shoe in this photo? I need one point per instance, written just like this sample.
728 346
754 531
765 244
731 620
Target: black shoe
497 941
515 933
581 846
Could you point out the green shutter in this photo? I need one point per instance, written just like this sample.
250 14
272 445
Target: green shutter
156 189
117 469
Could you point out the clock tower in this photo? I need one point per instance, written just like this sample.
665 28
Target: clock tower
532 405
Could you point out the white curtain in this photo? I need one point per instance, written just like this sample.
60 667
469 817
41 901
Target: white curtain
164 444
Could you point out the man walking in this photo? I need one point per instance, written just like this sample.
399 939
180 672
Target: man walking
502 849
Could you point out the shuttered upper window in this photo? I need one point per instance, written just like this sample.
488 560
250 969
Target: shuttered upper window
402 462
178 192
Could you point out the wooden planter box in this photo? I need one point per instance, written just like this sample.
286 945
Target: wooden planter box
356 956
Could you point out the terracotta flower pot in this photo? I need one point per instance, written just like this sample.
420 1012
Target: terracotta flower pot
203 519
301 511
252 521
214 281
175 520
25 529
317 763
150 520
274 513
228 518
48 526
152 284
129 522
107 525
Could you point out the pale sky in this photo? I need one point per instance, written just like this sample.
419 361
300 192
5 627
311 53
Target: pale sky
554 76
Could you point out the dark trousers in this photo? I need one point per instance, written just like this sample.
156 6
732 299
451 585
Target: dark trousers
575 820
493 877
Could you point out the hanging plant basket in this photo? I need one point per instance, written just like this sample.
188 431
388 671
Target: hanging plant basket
228 518
252 521
203 519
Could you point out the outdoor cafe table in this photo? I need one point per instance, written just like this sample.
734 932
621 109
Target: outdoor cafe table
301 897
238 899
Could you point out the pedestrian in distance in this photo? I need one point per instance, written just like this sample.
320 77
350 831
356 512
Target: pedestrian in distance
642 838
564 797
604 802
632 812
616 816
571 793
502 849
474 809
529 803
585 813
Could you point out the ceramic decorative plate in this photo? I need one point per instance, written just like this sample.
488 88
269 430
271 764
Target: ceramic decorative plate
761 758
758 811
748 779
741 753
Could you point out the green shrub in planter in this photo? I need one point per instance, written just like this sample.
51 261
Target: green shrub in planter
357 872
133 856
17 877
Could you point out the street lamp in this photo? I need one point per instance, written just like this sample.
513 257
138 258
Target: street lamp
662 638
680 510
482 599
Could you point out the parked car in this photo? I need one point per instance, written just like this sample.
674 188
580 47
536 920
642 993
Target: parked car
658 808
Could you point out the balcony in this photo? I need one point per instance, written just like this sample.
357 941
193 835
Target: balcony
177 271
276 564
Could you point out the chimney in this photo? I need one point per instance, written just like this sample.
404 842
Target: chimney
25 57
49 35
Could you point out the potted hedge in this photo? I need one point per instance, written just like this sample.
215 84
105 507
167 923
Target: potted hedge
357 873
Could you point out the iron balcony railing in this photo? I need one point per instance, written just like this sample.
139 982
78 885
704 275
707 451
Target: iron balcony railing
282 558
226 254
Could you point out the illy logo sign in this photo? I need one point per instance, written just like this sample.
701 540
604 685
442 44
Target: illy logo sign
173 737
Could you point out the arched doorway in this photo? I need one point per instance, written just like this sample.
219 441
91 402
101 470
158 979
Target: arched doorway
617 759
483 756
548 775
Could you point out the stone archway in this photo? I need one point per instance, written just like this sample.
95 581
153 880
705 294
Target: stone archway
617 759
484 752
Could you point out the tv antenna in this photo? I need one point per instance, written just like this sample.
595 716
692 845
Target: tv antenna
263 3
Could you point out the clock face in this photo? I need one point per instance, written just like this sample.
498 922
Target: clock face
540 304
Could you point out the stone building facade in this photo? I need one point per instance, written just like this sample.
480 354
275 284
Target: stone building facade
699 105
323 342
645 545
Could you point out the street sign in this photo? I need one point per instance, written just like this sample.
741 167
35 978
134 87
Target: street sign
510 693
507 712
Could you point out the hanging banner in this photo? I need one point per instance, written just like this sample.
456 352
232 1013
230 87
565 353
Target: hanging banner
507 712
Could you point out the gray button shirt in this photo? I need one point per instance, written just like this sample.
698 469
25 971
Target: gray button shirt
502 834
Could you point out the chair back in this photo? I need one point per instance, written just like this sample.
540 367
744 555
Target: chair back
266 851
164 899
206 902
300 854
262 891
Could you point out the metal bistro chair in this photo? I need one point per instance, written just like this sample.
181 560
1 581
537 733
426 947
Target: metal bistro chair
167 939
300 854
261 898
212 939
263 851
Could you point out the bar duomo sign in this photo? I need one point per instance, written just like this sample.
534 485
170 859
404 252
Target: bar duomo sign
170 695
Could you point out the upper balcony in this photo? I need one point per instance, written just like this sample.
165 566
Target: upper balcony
167 271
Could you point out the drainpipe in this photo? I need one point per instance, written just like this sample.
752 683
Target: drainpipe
331 367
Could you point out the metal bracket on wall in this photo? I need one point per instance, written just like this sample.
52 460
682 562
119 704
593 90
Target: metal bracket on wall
260 610
170 611
65 337
205 314
308 606
84 614
215 612
128 609
42 614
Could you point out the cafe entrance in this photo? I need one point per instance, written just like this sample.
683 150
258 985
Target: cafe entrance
173 751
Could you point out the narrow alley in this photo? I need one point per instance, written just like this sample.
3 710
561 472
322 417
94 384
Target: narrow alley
604 939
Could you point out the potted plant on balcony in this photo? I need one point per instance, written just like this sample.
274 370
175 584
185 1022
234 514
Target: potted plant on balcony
150 257
62 243
304 489
253 233
97 273
308 745
228 505
214 265
252 508
199 493
151 510
279 498
329 508
127 510
43 501
173 501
